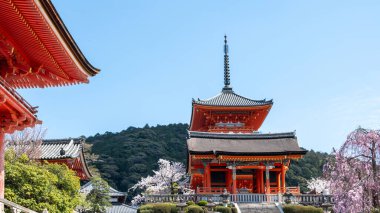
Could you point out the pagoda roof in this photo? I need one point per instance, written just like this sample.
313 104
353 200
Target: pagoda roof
37 48
255 144
230 98
51 149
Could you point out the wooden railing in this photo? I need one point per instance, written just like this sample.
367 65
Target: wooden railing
15 208
17 96
211 190
273 190
184 198
255 198
291 189
237 198
314 200
305 199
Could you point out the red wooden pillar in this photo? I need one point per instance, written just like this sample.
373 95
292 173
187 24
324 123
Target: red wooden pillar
267 180
2 159
254 181
283 178
233 179
207 176
258 182
229 180
261 175
278 178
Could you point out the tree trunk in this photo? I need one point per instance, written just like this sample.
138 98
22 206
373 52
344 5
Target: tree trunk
375 195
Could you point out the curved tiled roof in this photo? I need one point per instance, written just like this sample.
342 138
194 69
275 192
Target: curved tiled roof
51 149
86 188
244 144
215 135
229 98
121 208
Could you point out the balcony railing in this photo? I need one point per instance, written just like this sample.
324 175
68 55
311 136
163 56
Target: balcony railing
273 190
8 87
305 199
15 208
295 190
212 190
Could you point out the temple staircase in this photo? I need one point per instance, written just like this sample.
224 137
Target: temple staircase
258 208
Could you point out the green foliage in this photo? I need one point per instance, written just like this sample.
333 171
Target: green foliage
194 209
189 203
375 210
39 186
311 165
223 209
301 209
234 210
158 208
146 211
202 203
98 197
124 157
148 208
165 208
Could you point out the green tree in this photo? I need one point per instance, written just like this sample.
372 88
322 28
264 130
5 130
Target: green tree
98 198
39 186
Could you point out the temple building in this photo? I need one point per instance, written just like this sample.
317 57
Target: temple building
68 152
36 51
226 151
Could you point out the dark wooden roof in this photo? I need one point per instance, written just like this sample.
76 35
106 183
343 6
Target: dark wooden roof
229 98
255 144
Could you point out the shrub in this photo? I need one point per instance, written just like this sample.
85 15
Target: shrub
145 209
189 203
223 209
164 208
202 203
194 209
158 208
375 210
301 209
234 210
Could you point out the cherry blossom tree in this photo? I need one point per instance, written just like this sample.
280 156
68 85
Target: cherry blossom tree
138 200
353 172
27 141
318 184
163 180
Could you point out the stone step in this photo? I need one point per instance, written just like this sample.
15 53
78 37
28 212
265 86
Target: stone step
258 208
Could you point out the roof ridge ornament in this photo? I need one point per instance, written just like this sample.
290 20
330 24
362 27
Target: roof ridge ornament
227 82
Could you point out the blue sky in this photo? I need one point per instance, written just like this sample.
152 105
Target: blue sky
318 60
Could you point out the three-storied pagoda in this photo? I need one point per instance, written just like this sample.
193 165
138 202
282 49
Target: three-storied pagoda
36 50
226 151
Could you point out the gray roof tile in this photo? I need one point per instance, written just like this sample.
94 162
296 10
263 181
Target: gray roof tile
229 98
121 208
244 144
51 149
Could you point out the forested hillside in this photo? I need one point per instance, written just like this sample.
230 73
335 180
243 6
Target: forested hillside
123 158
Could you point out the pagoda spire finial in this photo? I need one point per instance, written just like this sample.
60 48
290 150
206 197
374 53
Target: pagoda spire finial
226 67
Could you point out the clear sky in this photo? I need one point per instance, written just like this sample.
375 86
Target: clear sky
318 60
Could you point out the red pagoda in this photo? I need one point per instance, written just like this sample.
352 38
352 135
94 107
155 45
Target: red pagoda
226 151
36 50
